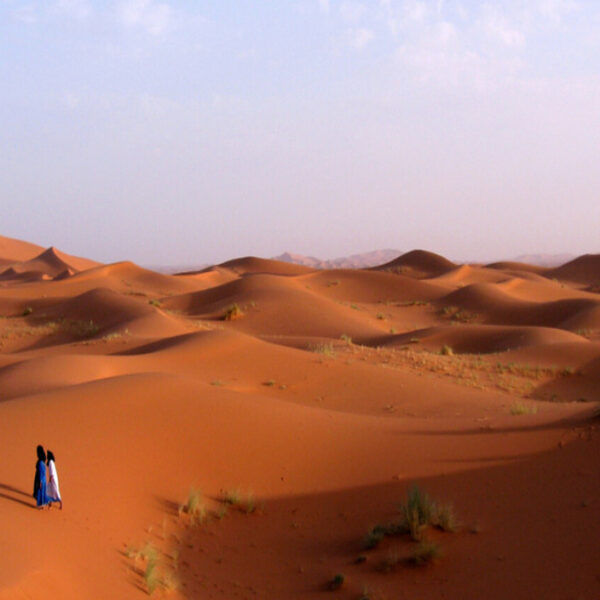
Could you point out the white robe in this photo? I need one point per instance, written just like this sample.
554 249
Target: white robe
52 489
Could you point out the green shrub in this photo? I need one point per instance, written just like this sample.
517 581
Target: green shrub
522 409
418 512
233 312
337 582
326 349
195 507
424 553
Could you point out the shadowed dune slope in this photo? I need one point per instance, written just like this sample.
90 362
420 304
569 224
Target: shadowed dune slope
419 263
113 312
583 269
497 306
517 267
10 274
487 339
253 264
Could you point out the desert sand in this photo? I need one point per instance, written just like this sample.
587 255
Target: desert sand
304 404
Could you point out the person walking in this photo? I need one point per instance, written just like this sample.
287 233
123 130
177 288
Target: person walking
39 483
53 489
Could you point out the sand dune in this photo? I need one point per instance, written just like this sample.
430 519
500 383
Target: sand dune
517 267
487 339
419 263
494 305
252 264
327 398
275 305
371 286
48 264
12 250
583 269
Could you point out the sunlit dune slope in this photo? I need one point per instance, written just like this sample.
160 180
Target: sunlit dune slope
12 250
275 305
517 267
370 286
252 264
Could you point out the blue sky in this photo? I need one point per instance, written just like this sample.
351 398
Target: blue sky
192 132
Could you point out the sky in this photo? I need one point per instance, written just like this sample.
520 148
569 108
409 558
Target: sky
191 132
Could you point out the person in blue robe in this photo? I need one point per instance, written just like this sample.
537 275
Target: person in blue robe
39 483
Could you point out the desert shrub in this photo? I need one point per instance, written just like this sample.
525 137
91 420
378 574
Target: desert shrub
346 338
246 503
390 562
326 349
418 512
233 312
424 553
380 316
446 350
374 537
27 311
522 409
155 302
151 576
80 328
445 519
232 497
195 507
336 583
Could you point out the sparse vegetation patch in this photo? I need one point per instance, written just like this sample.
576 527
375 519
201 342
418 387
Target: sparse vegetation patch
233 312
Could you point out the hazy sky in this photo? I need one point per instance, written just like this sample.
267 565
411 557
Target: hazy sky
189 132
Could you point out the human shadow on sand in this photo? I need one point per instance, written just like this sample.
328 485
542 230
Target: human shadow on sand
14 490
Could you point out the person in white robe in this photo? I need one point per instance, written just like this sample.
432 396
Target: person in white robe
53 488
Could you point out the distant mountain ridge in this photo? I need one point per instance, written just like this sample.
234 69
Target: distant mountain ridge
355 261
544 260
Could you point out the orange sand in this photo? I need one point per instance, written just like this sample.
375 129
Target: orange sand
326 398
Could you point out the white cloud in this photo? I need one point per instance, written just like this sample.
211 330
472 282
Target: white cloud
154 17
360 37
352 11
446 32
415 11
76 9
555 10
495 25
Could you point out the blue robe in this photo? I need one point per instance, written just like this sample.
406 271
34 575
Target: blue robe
39 486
